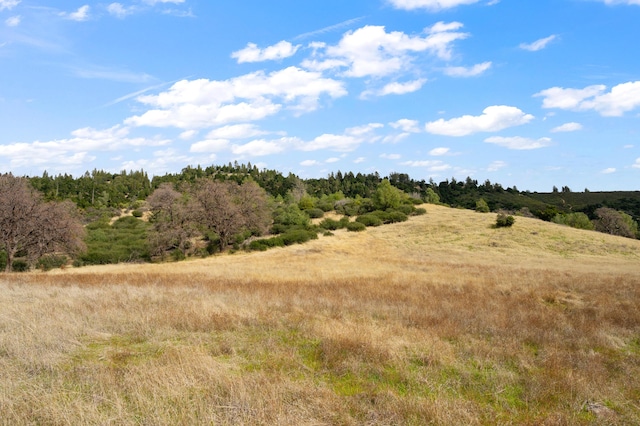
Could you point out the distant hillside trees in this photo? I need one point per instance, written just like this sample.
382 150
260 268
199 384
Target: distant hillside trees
31 228
614 222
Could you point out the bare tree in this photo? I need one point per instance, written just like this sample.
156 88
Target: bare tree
172 220
612 222
30 226
227 208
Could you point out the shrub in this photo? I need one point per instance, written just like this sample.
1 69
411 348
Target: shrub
137 213
406 208
20 266
574 220
397 216
315 213
504 221
420 211
482 206
355 227
297 236
369 220
47 263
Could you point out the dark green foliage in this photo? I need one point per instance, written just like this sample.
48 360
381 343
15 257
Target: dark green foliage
406 208
124 241
397 216
315 213
52 261
420 211
369 219
298 236
20 266
136 213
613 222
547 214
355 227
289 216
266 243
504 221
3 260
331 224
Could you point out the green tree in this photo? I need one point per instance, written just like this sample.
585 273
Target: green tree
432 197
388 196
482 206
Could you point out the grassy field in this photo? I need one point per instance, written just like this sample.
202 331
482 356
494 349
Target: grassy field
439 320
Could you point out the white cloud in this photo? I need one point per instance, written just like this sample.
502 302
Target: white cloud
436 152
332 160
309 163
210 145
261 147
430 165
188 134
236 131
467 71
13 21
622 98
609 171
346 142
79 148
82 14
567 127
359 160
205 103
371 51
120 11
518 142
8 4
496 165
252 53
636 165
391 156
396 88
636 2
406 125
628 146
493 119
431 5
538 44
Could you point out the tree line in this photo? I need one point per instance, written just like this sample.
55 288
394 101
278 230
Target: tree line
204 210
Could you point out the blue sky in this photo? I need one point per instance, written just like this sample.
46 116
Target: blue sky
525 93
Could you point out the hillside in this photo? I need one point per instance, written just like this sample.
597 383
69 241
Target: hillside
439 320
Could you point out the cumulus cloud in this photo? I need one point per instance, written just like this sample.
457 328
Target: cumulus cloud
436 152
406 125
210 145
351 139
622 98
262 147
205 103
13 21
493 119
538 44
120 11
396 88
82 14
467 71
309 163
75 150
252 53
431 5
519 143
567 127
236 131
609 171
373 52
8 4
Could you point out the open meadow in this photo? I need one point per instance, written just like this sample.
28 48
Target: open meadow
442 320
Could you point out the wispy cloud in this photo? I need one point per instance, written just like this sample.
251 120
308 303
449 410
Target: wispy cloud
538 44
329 29
80 15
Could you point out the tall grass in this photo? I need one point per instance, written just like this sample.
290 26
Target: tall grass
382 327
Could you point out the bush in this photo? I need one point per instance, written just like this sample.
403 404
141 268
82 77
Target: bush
504 221
355 227
482 206
397 216
315 213
369 220
420 211
574 220
332 224
137 213
20 266
47 263
297 236
406 209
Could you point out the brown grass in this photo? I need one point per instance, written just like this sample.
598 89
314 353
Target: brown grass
439 320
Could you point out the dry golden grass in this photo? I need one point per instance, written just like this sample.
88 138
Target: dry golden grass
439 320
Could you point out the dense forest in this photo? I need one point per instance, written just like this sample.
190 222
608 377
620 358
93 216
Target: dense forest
129 216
